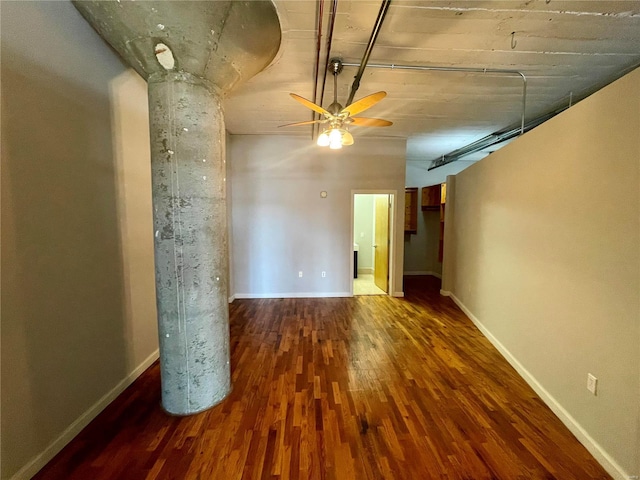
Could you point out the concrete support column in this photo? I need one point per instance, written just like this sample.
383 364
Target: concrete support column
190 223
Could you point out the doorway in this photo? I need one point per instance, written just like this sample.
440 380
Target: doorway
371 232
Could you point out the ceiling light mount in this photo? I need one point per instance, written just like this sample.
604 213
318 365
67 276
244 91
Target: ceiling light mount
336 66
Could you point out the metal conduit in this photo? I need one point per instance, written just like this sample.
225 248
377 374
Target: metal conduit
367 53
320 11
492 139
496 71
332 21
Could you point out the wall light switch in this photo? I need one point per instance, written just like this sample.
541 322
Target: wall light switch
300 274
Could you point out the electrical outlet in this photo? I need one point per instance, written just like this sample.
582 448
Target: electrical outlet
324 274
592 384
300 274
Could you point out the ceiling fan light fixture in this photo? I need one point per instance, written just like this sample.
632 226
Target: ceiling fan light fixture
323 139
335 136
335 145
347 138
337 118
335 139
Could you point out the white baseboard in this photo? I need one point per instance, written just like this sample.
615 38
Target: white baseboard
232 298
603 458
294 295
423 272
446 293
398 294
365 271
40 460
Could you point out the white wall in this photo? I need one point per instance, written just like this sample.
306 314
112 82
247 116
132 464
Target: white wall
363 223
282 226
78 296
421 248
547 260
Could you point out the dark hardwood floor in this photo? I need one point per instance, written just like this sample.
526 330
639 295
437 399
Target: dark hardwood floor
367 387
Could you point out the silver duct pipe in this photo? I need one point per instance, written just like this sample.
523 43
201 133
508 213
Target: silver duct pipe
367 53
496 71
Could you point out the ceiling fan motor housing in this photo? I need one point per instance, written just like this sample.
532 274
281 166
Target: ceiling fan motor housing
336 66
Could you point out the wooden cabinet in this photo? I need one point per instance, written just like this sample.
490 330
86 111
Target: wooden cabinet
411 210
431 197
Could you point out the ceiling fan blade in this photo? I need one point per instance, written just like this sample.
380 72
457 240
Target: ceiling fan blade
309 104
364 103
370 122
296 124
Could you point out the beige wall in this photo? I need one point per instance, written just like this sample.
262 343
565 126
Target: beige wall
546 257
282 226
78 300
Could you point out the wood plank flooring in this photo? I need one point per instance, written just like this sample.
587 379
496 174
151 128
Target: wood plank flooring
346 388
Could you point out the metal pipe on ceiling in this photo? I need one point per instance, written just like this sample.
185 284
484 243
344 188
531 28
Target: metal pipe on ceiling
497 71
367 53
320 10
489 140
330 26
492 139
507 134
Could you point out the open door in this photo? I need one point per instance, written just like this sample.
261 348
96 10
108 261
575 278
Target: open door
381 245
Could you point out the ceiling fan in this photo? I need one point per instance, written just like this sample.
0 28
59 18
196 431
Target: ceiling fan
337 118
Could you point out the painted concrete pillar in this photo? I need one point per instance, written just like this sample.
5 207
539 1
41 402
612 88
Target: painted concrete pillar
190 223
